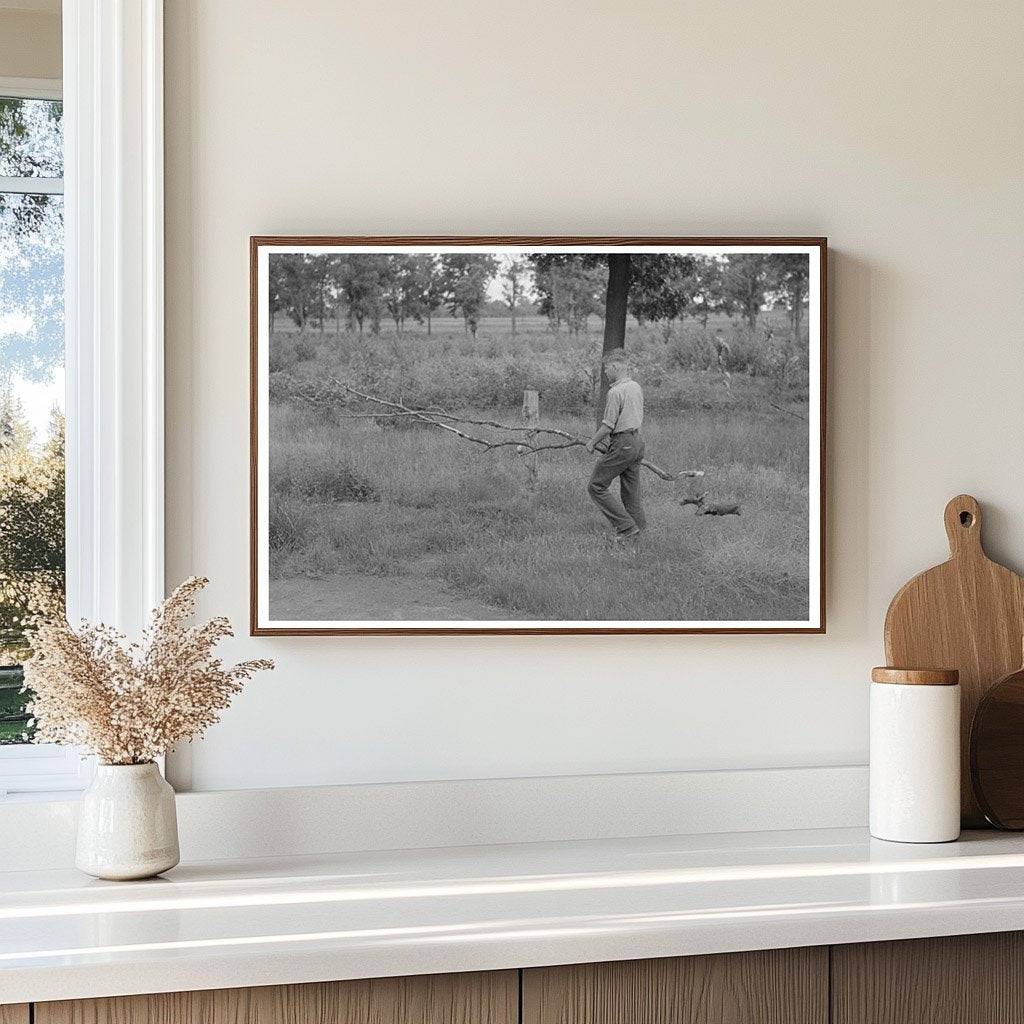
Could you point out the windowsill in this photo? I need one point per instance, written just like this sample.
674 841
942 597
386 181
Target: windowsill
303 919
31 773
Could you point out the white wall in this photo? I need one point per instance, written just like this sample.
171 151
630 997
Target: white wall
895 129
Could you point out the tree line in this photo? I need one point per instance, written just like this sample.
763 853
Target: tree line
362 290
31 523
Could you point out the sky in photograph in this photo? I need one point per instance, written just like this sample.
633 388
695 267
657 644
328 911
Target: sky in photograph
495 288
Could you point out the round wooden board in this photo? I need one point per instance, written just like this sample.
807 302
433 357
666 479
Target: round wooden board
997 752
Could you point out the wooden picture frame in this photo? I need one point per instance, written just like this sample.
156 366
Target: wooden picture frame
261 247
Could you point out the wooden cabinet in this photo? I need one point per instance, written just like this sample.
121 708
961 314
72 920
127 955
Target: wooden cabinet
777 986
963 979
970 979
491 998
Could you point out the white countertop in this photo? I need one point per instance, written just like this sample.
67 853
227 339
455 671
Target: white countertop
261 922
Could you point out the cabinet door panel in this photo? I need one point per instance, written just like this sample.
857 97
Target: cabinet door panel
778 986
482 998
14 1013
961 979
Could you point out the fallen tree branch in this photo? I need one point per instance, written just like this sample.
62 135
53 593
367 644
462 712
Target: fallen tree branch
441 414
315 391
788 412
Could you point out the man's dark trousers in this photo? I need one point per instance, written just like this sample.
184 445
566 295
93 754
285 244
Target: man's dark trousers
622 460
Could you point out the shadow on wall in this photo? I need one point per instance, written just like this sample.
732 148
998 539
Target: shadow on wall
853 285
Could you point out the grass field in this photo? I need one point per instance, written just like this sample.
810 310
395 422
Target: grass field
367 498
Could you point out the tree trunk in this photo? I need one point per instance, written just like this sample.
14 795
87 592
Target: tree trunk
614 315
531 417
514 291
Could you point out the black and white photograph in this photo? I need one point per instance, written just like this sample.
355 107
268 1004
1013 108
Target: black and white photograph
537 435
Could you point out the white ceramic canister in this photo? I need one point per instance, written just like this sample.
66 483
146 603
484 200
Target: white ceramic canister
127 825
915 755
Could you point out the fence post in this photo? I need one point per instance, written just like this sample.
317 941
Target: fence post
531 417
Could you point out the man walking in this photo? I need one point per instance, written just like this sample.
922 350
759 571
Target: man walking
623 417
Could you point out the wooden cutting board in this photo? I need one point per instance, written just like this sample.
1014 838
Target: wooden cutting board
967 614
997 752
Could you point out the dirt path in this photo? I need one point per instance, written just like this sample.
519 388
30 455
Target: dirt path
353 596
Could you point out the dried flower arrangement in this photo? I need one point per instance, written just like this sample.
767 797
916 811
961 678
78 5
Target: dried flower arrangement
129 703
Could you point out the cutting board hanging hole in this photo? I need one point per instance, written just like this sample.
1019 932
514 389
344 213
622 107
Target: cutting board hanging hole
963 526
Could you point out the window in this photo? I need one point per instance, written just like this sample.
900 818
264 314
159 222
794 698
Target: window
31 382
109 209
32 550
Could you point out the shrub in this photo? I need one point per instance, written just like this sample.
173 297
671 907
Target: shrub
319 475
304 349
281 356
292 523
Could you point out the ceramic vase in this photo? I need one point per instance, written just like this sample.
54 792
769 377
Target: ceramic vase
127 825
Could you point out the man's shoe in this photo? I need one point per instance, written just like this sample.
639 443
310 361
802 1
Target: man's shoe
627 536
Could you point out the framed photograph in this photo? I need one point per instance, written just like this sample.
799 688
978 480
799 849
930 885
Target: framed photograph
537 435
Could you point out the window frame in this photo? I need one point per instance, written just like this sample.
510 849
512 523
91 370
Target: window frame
31 89
112 90
35 768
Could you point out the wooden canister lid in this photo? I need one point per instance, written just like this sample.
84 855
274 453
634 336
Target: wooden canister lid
916 676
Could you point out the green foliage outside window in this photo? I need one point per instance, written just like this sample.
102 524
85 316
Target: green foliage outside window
31 355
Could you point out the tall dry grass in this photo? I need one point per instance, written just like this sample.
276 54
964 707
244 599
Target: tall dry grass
421 504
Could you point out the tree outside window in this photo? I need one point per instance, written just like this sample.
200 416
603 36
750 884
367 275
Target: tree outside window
31 386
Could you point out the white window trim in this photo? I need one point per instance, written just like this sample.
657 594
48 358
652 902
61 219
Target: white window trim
43 769
32 88
32 186
113 169
114 321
